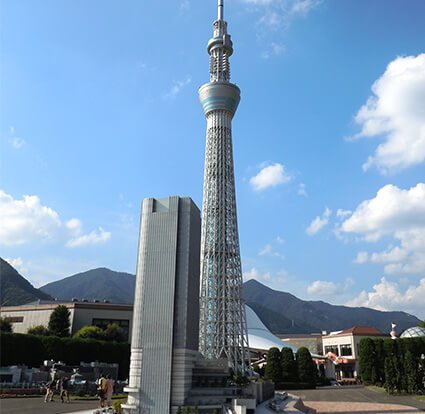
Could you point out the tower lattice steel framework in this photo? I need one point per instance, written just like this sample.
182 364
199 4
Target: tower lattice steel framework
223 330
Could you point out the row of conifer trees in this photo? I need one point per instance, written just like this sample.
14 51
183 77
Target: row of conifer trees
283 368
398 365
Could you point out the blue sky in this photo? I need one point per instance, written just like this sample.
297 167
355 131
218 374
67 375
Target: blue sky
100 110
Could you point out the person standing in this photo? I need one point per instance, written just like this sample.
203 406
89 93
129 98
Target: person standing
109 390
50 390
64 389
101 390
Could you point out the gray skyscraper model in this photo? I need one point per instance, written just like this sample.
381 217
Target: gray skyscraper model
223 331
164 343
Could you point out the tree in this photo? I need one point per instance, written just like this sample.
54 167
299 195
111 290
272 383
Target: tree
114 332
421 324
59 323
92 332
306 368
5 325
379 372
273 367
367 360
411 370
390 374
288 365
38 330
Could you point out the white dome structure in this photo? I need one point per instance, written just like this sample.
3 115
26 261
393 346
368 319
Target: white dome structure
413 332
259 337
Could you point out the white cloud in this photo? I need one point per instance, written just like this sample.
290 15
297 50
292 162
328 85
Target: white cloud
280 240
95 237
303 7
255 274
268 250
275 49
75 226
17 263
343 213
393 213
396 112
302 190
278 14
270 176
184 5
17 142
260 2
321 288
362 257
388 295
319 222
177 88
270 20
142 65
26 220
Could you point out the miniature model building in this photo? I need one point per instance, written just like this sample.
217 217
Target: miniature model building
166 306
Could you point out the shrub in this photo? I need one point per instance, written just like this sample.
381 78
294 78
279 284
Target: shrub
367 361
38 330
273 367
306 368
411 369
379 372
5 325
92 332
21 349
288 365
397 364
114 332
116 405
32 350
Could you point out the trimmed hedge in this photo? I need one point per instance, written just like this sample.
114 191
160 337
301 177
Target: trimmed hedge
294 386
32 350
397 364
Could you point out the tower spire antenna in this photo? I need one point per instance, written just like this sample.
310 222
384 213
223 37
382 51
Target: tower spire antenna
220 10
222 328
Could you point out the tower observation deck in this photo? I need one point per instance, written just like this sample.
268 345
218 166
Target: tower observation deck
223 330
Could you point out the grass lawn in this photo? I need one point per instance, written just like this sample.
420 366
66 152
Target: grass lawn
93 397
381 390
374 388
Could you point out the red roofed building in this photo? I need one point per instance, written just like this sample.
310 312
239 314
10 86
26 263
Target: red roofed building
341 347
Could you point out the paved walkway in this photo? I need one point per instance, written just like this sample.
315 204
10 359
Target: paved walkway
359 407
357 399
37 405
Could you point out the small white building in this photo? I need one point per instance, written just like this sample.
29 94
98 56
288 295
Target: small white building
341 351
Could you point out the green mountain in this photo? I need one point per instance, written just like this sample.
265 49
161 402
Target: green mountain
316 316
281 312
101 283
15 289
